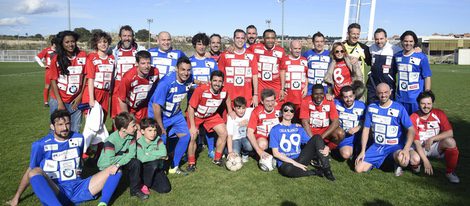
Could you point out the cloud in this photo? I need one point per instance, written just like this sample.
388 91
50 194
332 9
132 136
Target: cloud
15 21
36 7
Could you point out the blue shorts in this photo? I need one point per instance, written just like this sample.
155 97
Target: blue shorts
177 124
349 141
410 107
75 191
376 154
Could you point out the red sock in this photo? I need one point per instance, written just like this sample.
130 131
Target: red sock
45 94
332 145
218 155
452 157
192 160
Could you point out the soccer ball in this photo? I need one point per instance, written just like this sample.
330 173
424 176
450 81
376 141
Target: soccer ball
268 164
234 162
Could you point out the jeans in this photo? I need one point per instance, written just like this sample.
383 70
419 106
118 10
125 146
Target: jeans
241 145
75 115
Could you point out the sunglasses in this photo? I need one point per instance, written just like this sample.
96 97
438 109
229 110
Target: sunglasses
339 51
288 110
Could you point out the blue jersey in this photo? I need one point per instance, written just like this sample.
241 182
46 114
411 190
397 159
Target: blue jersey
387 124
59 160
287 139
168 95
165 62
412 70
350 117
202 68
317 67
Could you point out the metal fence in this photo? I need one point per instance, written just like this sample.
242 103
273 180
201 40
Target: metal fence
18 55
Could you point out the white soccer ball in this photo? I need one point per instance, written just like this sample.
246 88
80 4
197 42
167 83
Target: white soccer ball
268 164
234 162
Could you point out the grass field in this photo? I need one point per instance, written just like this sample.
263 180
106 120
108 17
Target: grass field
24 120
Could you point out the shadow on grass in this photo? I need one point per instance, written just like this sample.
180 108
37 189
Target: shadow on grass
377 202
288 203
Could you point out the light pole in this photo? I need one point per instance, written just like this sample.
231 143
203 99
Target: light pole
282 32
68 8
268 21
149 21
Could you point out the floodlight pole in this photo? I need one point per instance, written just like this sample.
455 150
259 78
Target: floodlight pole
149 21
282 37
68 8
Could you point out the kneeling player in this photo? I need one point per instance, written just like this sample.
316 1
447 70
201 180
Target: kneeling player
285 140
433 133
55 168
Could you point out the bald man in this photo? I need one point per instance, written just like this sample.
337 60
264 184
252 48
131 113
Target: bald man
164 57
387 120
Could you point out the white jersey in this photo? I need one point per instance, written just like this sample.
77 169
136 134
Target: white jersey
234 128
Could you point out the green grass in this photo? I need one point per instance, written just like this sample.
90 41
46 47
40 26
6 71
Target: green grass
24 120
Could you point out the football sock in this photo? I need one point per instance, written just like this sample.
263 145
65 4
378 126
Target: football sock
218 155
192 160
452 157
43 191
109 186
180 149
210 143
45 94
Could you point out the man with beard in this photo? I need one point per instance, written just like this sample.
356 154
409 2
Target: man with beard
164 57
251 35
215 46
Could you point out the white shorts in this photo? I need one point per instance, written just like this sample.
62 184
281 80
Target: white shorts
433 152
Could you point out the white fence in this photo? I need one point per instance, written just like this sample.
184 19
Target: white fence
18 55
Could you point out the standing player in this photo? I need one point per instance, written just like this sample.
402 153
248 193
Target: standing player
356 48
296 84
319 116
351 119
285 140
46 54
262 119
136 86
124 53
269 57
414 72
202 110
251 36
202 67
318 61
215 46
164 107
388 120
240 70
164 57
434 138
67 72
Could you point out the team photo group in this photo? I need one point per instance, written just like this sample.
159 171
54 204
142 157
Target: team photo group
289 110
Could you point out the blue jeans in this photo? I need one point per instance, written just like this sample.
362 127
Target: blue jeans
75 115
241 145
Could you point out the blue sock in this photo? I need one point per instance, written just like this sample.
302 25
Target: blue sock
43 191
210 143
109 186
180 149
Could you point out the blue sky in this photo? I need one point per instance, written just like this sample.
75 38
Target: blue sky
187 17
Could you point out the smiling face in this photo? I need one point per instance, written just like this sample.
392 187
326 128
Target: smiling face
348 98
287 113
295 48
383 92
252 34
269 39
61 127
319 43
200 48
103 45
143 67
126 39
215 44
339 52
353 35
269 103
380 39
164 41
216 84
239 40
425 105
317 96
408 43
183 72
69 44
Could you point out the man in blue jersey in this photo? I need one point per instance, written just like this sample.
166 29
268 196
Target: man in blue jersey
164 107
54 168
285 140
387 119
414 72
318 61
351 118
164 57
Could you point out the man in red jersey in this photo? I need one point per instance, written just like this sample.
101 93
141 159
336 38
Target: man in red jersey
215 46
319 116
240 70
46 55
269 57
433 138
262 119
251 35
136 85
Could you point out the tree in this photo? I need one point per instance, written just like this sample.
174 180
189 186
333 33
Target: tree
142 35
84 34
96 31
38 36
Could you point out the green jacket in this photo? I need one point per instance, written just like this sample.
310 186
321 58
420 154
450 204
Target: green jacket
154 150
117 150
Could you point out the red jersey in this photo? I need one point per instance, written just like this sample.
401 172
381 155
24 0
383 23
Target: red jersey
436 123
341 77
134 90
262 121
296 77
268 66
47 55
69 85
319 116
239 70
205 102
101 70
125 61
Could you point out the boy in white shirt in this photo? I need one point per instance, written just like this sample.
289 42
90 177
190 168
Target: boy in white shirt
237 141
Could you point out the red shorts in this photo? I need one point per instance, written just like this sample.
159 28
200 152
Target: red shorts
115 107
139 114
257 136
101 96
209 122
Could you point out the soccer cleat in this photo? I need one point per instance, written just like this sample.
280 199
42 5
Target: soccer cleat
218 162
140 195
245 158
329 174
398 171
315 172
177 171
416 169
145 189
315 163
452 177
211 154
102 204
191 168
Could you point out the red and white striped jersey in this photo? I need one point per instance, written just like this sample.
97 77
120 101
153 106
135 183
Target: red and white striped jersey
101 70
205 102
436 123
296 77
262 121
134 89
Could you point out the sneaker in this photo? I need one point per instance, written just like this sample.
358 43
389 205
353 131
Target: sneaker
102 204
329 174
315 172
398 171
140 195
315 163
245 158
452 177
145 190
211 154
416 169
218 162
191 168
177 171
